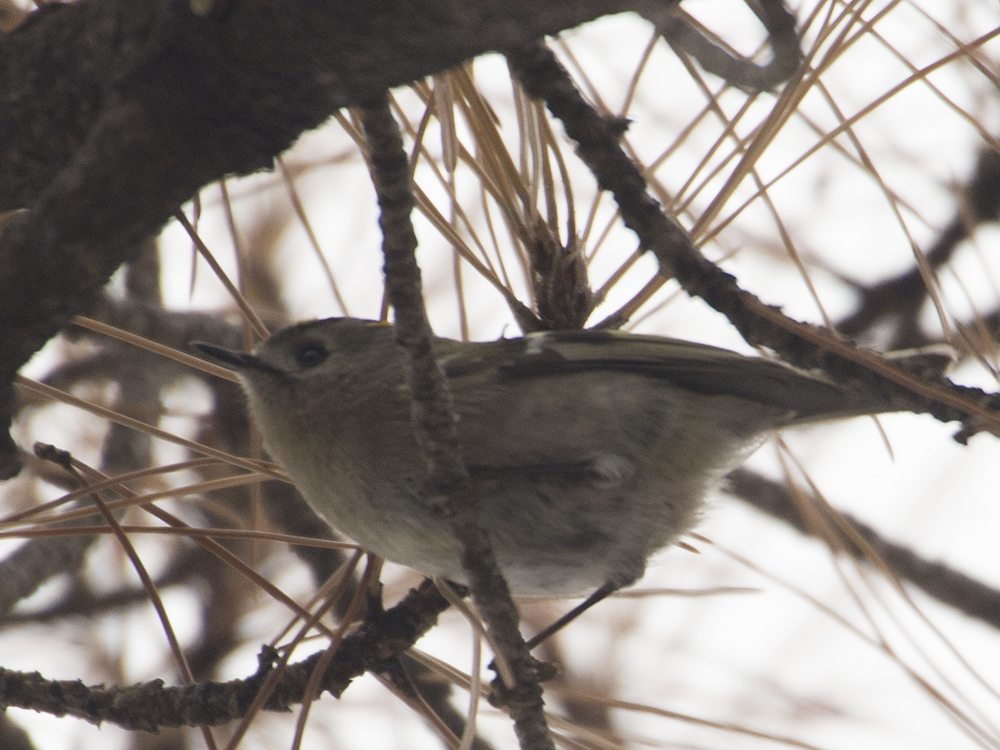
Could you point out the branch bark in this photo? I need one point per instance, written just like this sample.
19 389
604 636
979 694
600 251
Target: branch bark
434 424
113 113
151 706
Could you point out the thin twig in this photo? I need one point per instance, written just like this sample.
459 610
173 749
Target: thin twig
435 424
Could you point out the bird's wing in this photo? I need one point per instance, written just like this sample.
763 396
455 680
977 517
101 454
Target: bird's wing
592 405
698 368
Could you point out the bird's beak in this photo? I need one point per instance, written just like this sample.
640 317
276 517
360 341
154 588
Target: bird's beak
232 359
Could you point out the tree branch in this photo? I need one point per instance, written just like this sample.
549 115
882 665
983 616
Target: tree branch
113 113
435 427
150 706
808 346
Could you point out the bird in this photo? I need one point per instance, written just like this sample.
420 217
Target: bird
589 450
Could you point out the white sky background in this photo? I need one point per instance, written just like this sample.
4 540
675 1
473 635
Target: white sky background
768 660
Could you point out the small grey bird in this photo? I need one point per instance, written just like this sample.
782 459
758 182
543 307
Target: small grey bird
590 450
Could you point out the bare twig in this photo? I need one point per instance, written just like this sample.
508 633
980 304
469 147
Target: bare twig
684 36
435 425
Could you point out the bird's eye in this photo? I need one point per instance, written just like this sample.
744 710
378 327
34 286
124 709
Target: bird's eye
310 354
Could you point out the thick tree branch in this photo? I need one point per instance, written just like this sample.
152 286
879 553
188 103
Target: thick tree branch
113 113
